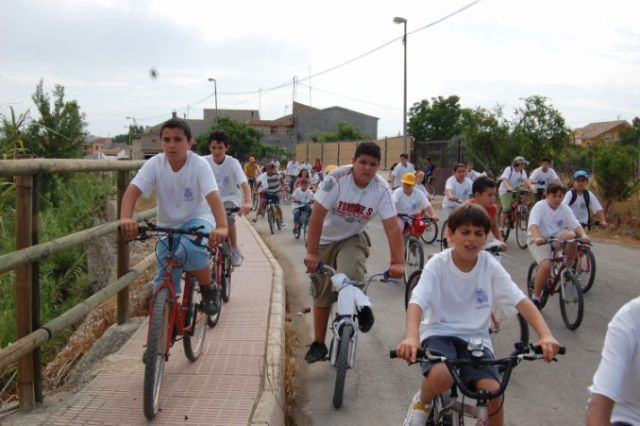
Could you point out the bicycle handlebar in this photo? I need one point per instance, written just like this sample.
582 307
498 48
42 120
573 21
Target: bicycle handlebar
423 218
322 269
521 353
578 240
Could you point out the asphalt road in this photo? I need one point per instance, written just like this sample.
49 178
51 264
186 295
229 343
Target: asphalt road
378 390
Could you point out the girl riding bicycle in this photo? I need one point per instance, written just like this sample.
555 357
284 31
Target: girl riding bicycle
455 296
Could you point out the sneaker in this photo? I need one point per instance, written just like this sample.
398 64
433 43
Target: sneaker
365 319
418 412
210 298
282 225
236 257
317 351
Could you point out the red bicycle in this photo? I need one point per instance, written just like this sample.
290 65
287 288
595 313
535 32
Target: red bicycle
414 228
169 318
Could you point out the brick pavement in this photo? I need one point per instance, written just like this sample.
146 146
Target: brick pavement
221 388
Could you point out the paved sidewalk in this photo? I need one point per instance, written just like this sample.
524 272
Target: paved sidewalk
223 387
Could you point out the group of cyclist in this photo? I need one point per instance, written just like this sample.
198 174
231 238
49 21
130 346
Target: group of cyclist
458 287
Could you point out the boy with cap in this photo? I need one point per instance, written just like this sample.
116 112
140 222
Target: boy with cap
407 200
512 178
583 202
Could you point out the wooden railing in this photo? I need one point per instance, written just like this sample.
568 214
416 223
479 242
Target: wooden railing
29 333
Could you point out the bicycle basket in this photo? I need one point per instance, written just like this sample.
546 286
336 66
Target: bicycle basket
417 227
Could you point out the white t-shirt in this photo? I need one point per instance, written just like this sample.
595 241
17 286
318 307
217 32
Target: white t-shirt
351 207
181 195
420 187
398 171
306 166
550 221
514 177
472 175
409 204
456 303
293 168
461 190
579 206
618 375
262 180
229 176
543 178
301 196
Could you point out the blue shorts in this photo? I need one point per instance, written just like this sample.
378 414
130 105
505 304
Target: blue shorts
273 198
454 348
190 256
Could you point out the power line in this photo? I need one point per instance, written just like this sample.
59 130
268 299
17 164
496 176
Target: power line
350 98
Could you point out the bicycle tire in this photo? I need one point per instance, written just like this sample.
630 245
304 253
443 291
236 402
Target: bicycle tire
444 244
296 231
216 280
585 266
342 363
570 294
413 257
193 341
270 220
226 280
506 230
255 201
431 233
531 276
410 284
522 222
277 218
155 354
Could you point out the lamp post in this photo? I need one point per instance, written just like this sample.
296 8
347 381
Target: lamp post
134 124
399 20
215 94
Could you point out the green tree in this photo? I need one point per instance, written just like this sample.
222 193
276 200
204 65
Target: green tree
60 131
539 129
614 171
631 136
134 131
486 138
244 140
11 134
346 132
435 120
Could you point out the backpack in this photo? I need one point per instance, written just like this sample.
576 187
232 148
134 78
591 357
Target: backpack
585 195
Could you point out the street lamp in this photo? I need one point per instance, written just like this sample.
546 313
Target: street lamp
399 20
215 94
134 124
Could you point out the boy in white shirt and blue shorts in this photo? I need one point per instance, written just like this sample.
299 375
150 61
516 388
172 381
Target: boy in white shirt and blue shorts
187 196
452 303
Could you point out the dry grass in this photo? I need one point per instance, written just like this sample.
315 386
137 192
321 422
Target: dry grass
624 222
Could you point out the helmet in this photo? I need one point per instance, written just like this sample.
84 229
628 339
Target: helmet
581 173
409 178
418 226
520 160
252 158
329 168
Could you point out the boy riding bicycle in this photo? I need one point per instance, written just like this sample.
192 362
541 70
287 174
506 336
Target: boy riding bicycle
233 185
583 202
302 197
512 178
550 218
484 195
270 182
409 201
348 198
187 196
455 296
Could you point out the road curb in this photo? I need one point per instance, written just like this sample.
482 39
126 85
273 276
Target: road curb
270 406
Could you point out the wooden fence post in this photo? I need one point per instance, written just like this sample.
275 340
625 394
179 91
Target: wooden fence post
35 302
24 200
123 253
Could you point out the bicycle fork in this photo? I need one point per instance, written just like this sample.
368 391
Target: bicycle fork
335 341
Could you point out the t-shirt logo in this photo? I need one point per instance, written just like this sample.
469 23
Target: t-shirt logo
188 194
327 184
482 300
354 211
225 181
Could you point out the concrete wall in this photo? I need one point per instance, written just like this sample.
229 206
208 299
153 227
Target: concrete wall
341 153
311 122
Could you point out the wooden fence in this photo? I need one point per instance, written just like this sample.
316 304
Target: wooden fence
30 335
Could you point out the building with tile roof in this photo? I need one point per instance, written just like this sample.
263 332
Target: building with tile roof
600 132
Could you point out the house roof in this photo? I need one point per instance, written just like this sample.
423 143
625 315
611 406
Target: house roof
593 130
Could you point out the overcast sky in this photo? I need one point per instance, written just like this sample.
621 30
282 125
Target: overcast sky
583 55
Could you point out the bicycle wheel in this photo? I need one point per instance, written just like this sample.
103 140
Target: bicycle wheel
342 363
584 268
226 279
255 201
193 341
413 257
277 218
531 276
522 223
441 416
297 230
156 353
507 331
506 230
571 302
431 233
444 244
410 284
270 219
217 274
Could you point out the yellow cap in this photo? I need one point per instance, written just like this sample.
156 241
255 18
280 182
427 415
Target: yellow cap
409 178
329 168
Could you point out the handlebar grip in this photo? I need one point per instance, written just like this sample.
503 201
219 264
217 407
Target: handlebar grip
320 269
538 350
393 354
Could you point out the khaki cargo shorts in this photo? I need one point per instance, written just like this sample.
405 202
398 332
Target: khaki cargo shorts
348 256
